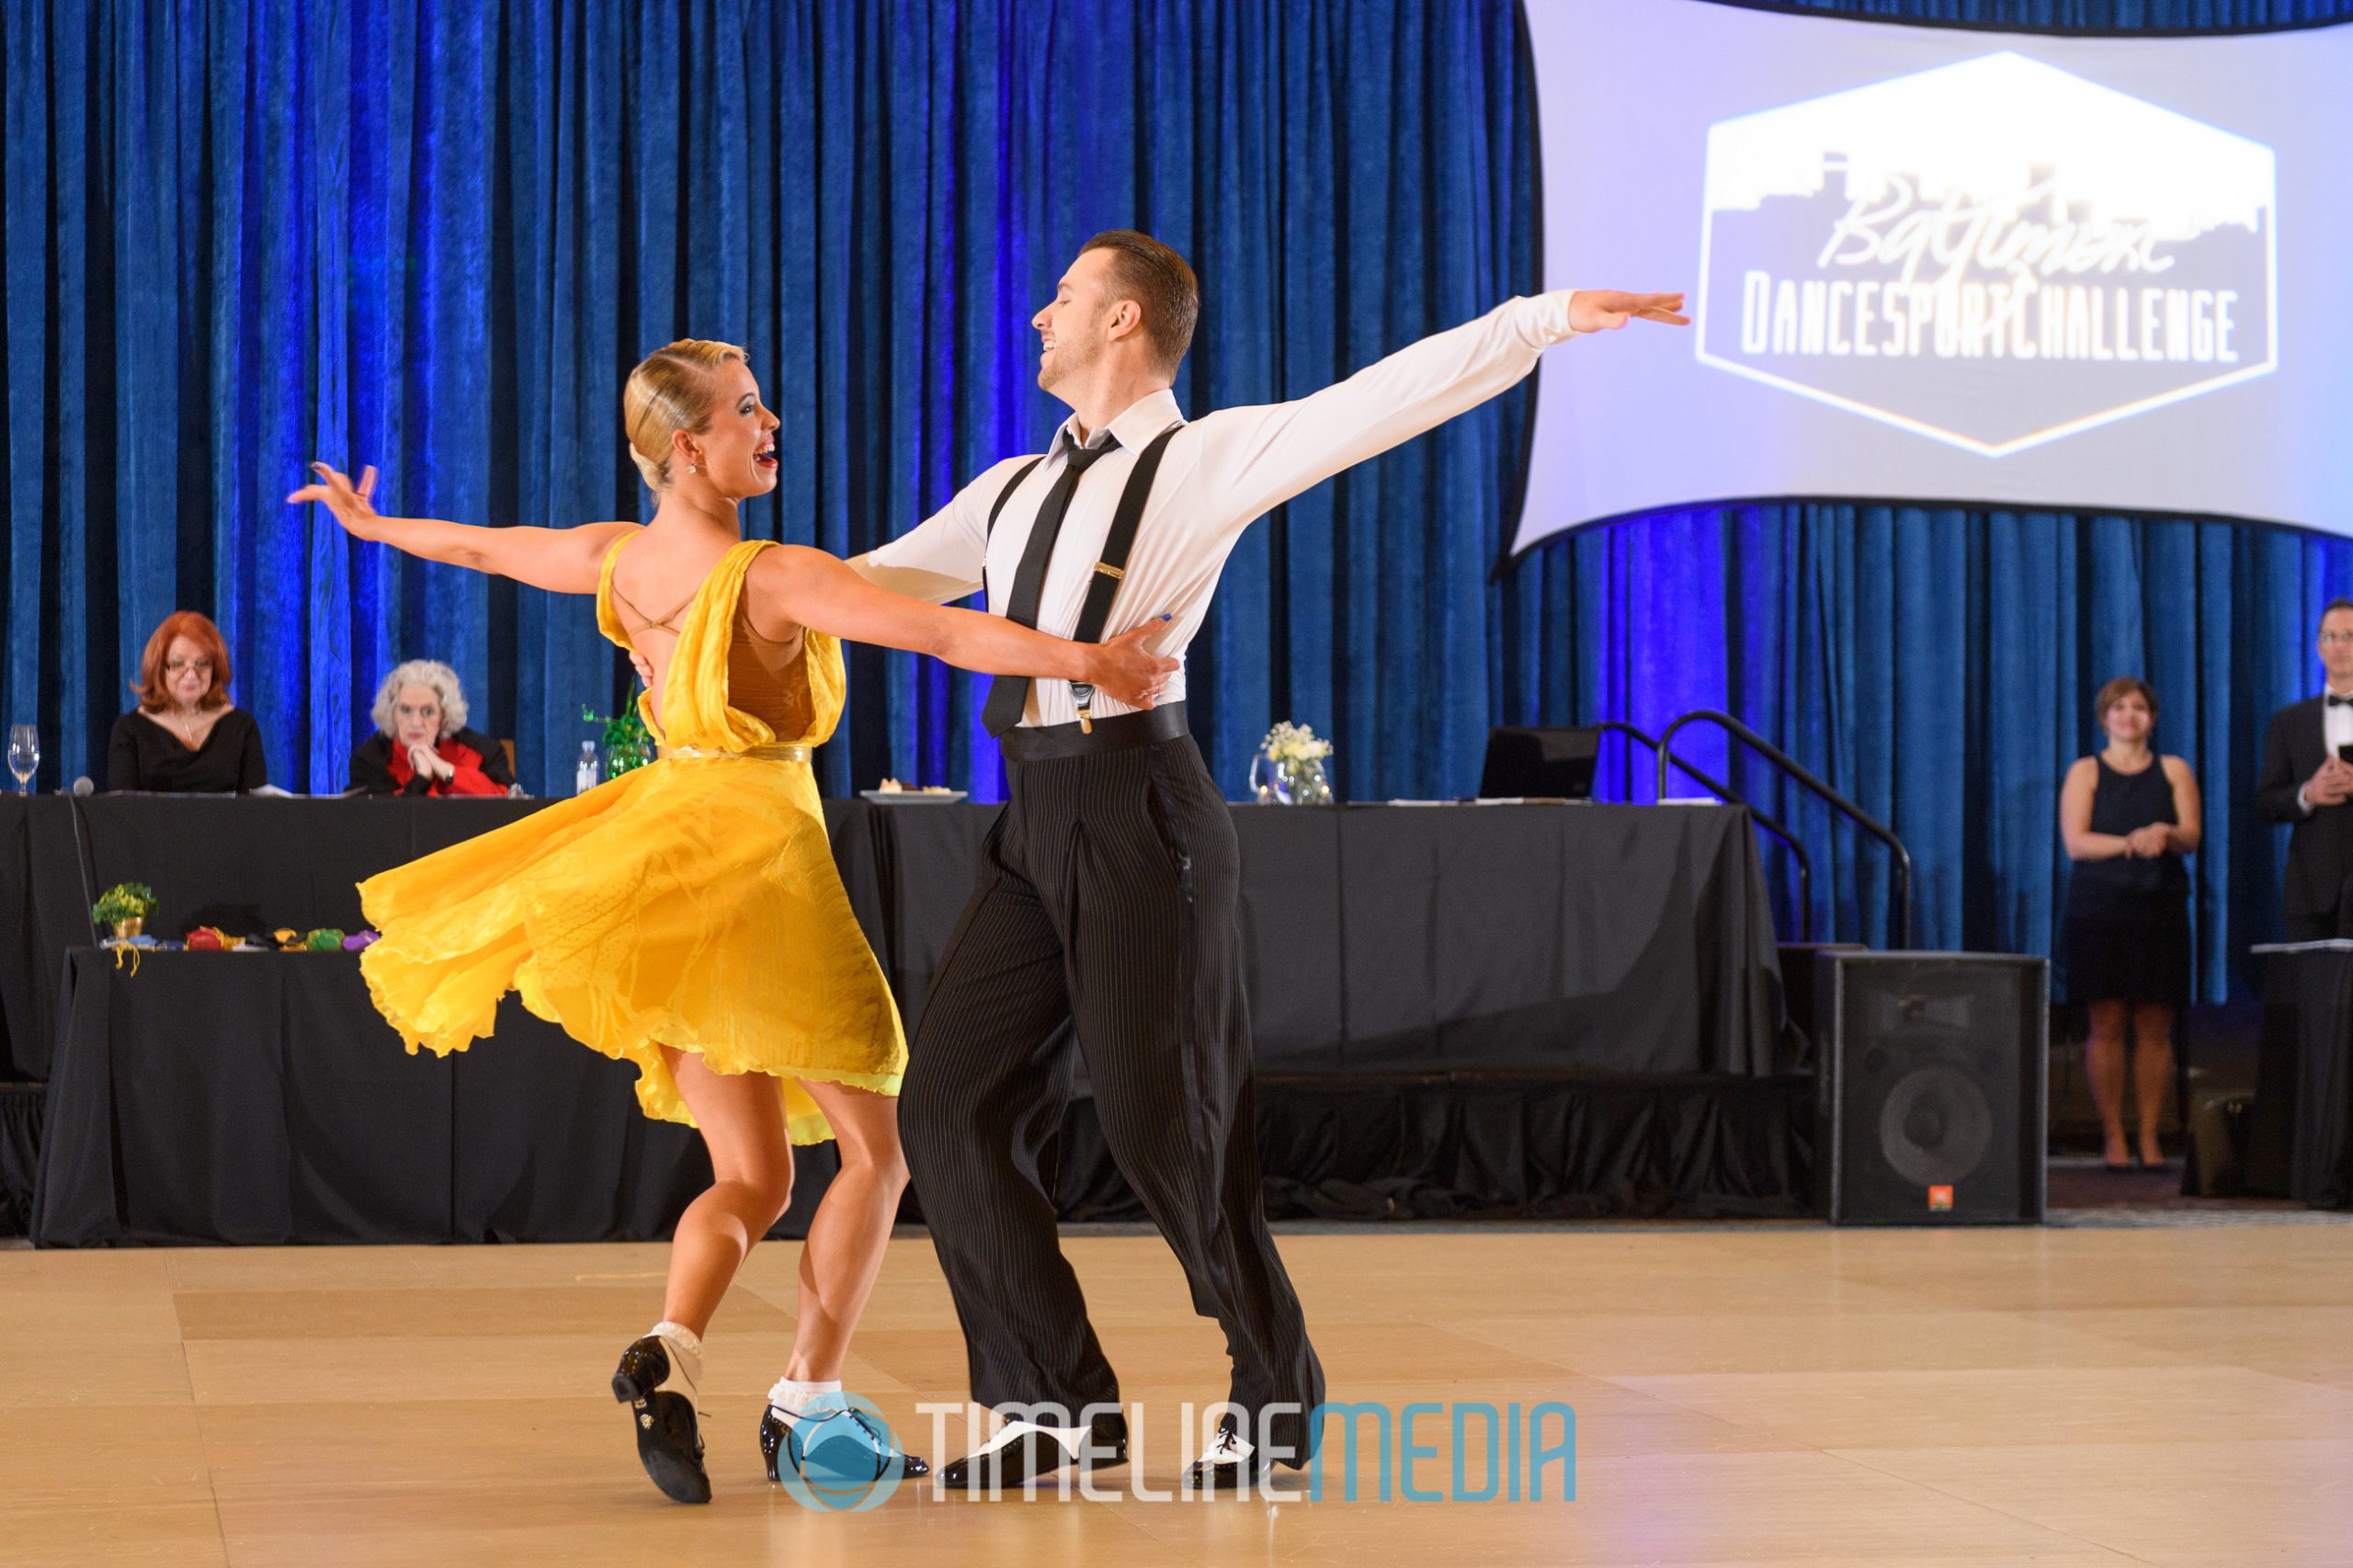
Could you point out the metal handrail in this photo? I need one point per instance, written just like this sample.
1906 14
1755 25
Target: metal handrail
1831 797
1789 840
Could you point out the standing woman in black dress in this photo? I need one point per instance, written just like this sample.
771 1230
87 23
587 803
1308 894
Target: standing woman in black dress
184 738
2128 816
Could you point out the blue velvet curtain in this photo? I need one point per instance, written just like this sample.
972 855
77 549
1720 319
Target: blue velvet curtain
434 234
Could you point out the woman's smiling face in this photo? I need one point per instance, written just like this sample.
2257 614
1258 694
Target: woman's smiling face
734 451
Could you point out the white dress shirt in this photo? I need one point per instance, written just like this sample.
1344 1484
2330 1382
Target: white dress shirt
1219 474
2337 733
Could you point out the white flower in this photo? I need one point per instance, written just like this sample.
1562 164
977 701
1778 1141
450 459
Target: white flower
1288 742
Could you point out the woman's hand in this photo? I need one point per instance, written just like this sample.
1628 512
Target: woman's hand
2148 842
1126 671
426 763
350 503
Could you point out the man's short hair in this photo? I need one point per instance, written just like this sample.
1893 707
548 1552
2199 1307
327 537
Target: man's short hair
2332 606
1162 287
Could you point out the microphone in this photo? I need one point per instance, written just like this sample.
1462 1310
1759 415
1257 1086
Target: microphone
82 785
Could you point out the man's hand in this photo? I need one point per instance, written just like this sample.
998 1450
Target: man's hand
1126 671
2330 785
1607 310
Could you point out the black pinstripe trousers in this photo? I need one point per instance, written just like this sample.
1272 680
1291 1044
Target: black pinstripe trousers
1107 898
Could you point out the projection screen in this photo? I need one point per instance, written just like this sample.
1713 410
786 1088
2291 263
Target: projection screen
1946 266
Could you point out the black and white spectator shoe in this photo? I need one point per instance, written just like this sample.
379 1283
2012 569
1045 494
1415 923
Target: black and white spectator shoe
1230 1464
1023 1452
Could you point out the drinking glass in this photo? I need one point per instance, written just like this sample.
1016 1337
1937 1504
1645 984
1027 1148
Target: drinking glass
24 756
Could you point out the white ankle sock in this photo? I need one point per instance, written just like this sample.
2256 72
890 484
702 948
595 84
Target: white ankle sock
789 1397
685 1349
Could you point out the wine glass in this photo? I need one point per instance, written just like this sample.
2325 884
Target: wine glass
24 756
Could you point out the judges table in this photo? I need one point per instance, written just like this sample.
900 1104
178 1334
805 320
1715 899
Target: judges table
258 1097
2300 1134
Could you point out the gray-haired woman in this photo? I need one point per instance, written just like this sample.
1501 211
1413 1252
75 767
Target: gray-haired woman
422 745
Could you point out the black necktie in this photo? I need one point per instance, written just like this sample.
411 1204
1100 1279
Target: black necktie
1010 694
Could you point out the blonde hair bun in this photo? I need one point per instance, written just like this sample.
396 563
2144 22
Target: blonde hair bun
670 390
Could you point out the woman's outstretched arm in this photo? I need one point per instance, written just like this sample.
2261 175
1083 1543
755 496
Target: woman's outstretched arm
562 560
812 589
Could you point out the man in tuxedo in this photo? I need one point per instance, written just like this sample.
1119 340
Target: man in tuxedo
2307 780
1106 891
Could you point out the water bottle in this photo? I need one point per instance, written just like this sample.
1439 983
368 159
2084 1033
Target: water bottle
585 779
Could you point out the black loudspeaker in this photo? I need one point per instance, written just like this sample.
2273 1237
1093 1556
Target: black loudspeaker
1931 1087
1541 764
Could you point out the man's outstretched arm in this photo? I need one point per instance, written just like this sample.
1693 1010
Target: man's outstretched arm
1259 457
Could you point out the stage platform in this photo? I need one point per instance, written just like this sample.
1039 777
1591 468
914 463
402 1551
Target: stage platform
1755 1394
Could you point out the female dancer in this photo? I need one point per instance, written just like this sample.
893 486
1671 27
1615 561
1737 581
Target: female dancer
687 917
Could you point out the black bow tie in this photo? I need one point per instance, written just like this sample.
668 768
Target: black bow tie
2336 701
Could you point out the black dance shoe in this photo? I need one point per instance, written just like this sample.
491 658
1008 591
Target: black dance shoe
780 1446
1230 1465
662 1403
1023 1452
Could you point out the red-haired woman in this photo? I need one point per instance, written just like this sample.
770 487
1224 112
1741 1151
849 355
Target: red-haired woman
184 738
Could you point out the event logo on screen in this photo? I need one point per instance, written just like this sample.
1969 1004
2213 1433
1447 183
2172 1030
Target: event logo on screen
1994 255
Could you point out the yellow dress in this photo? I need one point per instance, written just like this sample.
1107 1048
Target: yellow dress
692 901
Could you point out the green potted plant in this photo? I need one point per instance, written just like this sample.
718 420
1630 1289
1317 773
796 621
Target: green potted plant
124 908
626 740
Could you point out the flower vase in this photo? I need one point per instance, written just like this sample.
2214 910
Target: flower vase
1309 786
1290 781
1269 784
124 930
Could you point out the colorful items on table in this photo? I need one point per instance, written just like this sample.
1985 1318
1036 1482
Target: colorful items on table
124 908
214 939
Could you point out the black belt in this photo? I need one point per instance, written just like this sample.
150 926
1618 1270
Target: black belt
1120 732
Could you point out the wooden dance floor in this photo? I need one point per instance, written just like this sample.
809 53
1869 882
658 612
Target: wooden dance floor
1752 1395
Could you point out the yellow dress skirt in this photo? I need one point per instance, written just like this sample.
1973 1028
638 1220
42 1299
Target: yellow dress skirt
691 903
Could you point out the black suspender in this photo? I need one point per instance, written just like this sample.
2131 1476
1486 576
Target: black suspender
1006 494
1103 586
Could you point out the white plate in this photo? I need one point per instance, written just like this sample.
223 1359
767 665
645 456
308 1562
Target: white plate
911 797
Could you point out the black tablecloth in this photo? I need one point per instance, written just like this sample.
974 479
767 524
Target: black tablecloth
2300 1134
283 862
1626 938
258 1096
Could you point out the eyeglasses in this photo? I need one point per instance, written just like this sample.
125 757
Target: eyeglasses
204 665
2331 639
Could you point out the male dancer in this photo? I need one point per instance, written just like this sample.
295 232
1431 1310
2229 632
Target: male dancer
1107 890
